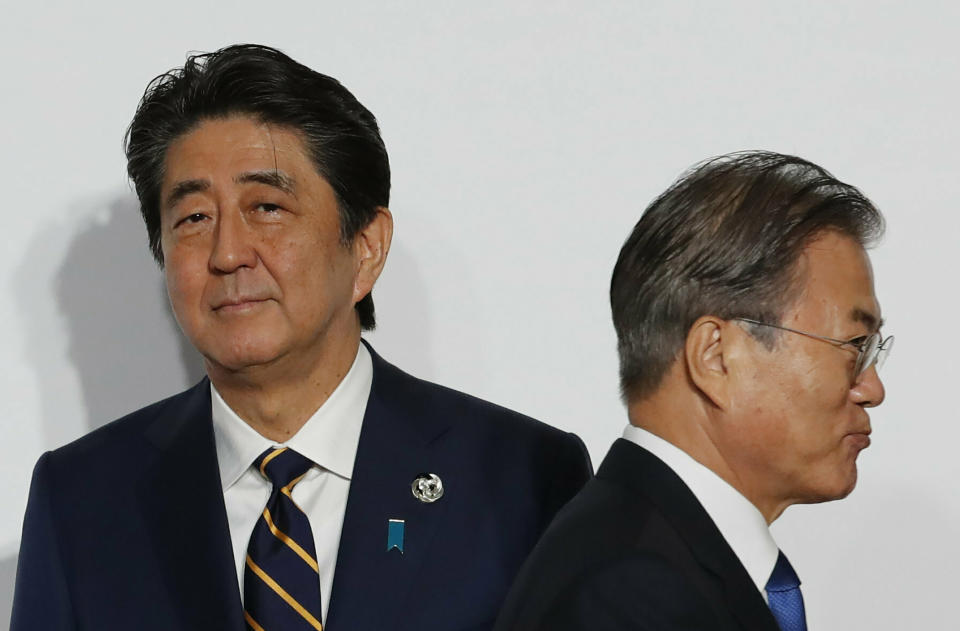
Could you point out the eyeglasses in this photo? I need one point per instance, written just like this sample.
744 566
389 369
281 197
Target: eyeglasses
872 349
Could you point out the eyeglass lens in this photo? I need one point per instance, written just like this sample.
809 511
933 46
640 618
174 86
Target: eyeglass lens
883 351
875 352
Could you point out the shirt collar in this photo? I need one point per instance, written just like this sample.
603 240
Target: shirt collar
738 520
329 437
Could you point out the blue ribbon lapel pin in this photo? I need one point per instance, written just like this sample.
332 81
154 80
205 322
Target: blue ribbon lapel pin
395 535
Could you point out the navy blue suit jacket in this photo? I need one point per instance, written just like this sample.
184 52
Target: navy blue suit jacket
126 527
634 551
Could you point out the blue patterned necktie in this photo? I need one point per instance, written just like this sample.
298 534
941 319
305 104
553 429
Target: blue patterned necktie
786 601
281 580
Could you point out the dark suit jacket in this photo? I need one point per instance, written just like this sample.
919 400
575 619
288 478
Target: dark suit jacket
634 550
126 527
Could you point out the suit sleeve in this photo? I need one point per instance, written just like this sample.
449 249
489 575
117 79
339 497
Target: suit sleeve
41 599
642 593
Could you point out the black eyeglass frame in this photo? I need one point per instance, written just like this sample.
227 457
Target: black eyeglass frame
872 349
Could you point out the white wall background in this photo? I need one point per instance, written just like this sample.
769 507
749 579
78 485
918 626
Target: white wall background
525 142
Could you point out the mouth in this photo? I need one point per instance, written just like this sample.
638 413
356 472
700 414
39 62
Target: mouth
859 440
239 305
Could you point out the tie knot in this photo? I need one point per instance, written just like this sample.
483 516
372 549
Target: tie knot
282 466
783 578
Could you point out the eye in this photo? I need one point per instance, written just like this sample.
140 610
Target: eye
191 218
268 207
858 342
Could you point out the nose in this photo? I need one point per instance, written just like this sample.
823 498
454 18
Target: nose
868 391
233 246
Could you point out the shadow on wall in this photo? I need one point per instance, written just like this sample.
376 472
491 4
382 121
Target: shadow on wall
123 340
106 330
403 328
8 574
98 327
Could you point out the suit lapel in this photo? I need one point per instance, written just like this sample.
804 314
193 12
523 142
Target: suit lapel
630 463
182 502
371 583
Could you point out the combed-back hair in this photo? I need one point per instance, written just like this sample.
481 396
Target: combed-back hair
723 240
340 134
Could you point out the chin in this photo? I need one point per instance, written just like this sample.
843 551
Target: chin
850 485
840 494
835 488
242 354
843 487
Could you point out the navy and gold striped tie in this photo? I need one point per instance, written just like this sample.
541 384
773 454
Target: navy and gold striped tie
281 581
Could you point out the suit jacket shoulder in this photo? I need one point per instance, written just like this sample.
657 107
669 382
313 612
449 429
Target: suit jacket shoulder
135 429
127 524
634 550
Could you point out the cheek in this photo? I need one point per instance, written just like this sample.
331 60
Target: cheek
775 401
319 263
824 391
809 383
184 286
770 390
291 263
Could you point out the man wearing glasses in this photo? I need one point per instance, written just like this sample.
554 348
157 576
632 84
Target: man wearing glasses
749 342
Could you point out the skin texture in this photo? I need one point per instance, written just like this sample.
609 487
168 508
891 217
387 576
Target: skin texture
782 425
256 273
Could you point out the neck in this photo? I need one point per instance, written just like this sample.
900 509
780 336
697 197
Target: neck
277 399
686 422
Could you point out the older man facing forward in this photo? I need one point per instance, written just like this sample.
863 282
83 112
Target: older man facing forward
749 345
308 482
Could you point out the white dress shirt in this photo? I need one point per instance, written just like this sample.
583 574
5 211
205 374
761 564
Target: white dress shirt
329 438
738 520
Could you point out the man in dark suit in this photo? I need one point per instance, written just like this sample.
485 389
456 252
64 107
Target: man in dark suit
306 483
749 346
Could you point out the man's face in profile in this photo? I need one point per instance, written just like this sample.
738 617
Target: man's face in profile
255 268
801 417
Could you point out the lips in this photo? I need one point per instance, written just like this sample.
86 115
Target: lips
238 304
860 440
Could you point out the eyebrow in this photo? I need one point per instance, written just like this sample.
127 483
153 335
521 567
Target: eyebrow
184 188
867 318
276 179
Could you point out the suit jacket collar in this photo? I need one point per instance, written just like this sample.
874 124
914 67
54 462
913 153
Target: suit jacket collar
182 503
644 473
372 584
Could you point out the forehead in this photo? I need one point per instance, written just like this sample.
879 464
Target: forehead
838 285
225 146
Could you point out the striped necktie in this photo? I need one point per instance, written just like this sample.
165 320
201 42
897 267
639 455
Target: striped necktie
783 594
281 580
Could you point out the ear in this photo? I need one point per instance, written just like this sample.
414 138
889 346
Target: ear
371 246
706 363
